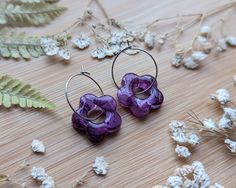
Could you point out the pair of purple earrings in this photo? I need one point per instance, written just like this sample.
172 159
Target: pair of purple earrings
106 105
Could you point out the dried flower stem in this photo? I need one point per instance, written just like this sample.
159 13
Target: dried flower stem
81 179
198 17
170 18
102 9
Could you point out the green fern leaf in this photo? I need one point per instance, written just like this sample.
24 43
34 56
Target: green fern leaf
16 45
14 92
3 177
33 1
28 14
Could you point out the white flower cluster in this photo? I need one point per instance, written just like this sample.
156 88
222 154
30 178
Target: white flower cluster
231 144
183 139
82 41
51 47
204 45
39 174
182 151
150 40
197 56
37 146
115 43
100 166
209 123
222 96
224 123
190 176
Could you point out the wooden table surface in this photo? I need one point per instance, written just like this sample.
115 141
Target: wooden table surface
142 153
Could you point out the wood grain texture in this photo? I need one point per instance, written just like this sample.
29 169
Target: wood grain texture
142 153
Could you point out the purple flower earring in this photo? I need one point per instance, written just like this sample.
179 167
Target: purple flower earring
89 103
131 83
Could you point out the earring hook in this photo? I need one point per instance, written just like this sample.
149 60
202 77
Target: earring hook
87 74
138 49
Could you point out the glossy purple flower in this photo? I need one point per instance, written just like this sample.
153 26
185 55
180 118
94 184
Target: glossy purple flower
106 105
139 107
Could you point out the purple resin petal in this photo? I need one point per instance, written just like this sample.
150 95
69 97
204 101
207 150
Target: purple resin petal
139 107
96 131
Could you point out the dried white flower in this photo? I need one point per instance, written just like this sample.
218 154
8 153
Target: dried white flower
64 53
231 144
49 45
193 175
205 31
182 151
178 134
177 60
48 183
190 176
189 63
222 96
198 56
209 123
141 35
109 52
117 37
202 40
231 41
221 45
82 42
193 139
174 182
179 137
225 122
176 124
200 176
39 174
112 50
149 40
98 53
205 45
161 41
37 146
231 113
129 36
184 170
100 166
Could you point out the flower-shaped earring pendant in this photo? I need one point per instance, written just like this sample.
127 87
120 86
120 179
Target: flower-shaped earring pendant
104 105
139 107
140 94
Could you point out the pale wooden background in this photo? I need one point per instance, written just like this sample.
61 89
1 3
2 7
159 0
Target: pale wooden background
142 154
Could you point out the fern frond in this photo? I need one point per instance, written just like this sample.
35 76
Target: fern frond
28 14
33 1
15 45
14 92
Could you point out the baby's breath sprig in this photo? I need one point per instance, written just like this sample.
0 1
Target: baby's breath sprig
111 37
191 55
193 175
224 129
